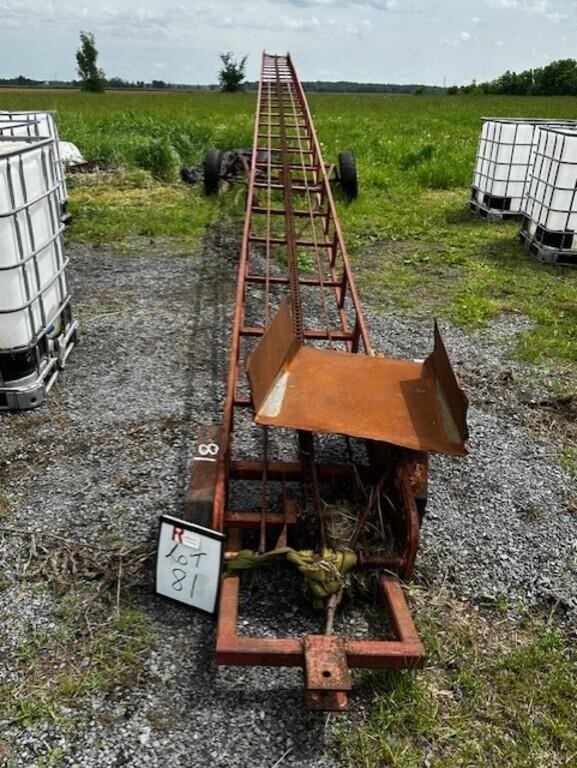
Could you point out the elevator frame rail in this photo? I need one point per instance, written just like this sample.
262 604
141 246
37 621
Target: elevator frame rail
291 211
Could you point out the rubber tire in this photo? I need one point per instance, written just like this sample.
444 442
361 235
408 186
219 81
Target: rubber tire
348 175
212 168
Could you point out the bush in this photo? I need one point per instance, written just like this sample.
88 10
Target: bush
160 158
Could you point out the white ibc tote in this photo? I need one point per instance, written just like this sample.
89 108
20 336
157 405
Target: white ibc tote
12 128
36 328
504 157
40 125
550 201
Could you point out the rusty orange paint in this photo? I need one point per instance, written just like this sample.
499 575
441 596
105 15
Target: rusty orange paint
416 405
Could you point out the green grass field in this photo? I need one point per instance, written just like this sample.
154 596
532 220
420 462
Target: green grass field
416 249
415 156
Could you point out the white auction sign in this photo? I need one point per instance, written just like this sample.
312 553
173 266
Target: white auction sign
189 563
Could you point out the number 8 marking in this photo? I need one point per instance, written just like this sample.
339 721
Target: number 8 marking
208 449
179 577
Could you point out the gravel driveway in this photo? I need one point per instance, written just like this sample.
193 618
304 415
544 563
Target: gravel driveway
110 450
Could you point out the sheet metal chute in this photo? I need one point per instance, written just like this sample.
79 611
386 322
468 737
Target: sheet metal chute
410 404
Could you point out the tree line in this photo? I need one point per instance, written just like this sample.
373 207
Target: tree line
559 78
314 86
231 77
108 83
345 86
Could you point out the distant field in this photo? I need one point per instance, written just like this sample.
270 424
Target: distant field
380 128
415 243
115 125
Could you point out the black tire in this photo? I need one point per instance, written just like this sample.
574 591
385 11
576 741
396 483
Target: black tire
348 175
65 215
212 168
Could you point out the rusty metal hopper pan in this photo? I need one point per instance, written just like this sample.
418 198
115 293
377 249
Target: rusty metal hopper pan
417 405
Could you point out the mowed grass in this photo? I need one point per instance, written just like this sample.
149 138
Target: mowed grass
493 693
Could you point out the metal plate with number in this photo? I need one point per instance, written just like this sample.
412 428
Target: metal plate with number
189 563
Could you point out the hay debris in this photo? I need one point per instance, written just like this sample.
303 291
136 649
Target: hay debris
69 563
376 538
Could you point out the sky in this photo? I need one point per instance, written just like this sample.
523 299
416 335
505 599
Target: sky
393 41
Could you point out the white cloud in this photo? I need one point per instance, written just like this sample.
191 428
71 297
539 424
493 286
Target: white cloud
361 29
556 17
398 6
460 39
311 24
530 6
170 22
370 36
550 10
129 22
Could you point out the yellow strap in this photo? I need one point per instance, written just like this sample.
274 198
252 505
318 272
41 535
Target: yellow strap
323 573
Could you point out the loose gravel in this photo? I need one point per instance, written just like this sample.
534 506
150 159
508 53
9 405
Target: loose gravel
501 526
110 450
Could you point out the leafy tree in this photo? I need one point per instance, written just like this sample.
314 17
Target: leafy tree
232 74
559 78
92 78
118 82
512 83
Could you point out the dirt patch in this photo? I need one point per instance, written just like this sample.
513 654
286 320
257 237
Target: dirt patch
556 416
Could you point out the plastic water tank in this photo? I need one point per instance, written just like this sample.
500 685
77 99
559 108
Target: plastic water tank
12 128
550 200
32 278
41 125
504 157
